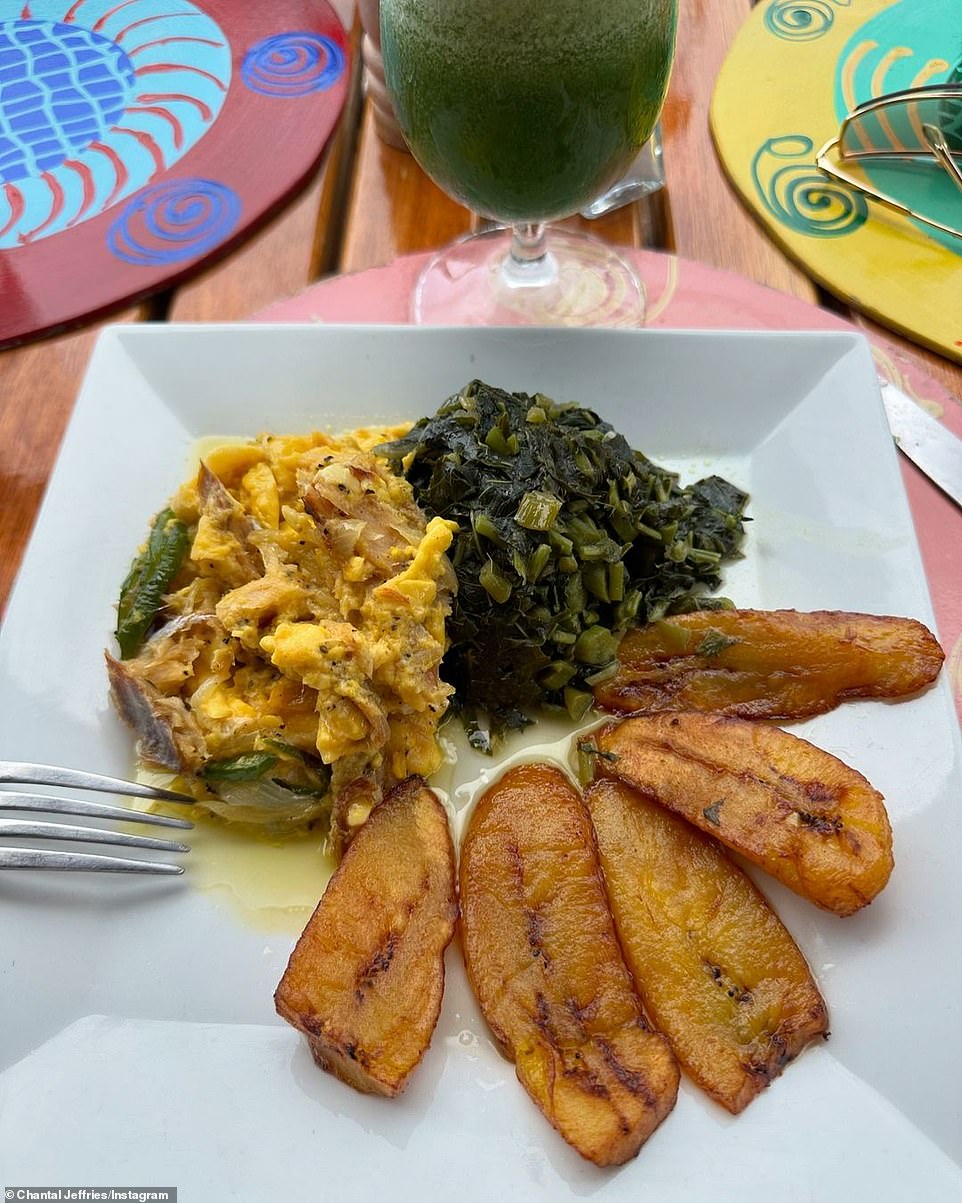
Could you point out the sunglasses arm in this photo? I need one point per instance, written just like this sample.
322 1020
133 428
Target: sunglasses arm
940 148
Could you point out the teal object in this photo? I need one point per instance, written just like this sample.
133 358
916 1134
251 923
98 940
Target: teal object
928 34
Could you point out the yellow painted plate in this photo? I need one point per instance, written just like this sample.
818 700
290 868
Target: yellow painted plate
796 68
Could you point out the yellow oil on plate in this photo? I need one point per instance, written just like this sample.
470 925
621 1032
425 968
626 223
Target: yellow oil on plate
796 68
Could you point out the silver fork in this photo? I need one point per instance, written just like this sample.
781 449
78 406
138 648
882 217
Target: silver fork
18 773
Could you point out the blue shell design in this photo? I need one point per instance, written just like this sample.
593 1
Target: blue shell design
802 20
63 87
97 99
291 65
796 193
174 221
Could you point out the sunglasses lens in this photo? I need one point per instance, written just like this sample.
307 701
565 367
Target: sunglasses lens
903 126
893 151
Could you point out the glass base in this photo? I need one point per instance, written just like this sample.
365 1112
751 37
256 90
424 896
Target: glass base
580 281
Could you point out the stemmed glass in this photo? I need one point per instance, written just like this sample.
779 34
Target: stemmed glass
524 111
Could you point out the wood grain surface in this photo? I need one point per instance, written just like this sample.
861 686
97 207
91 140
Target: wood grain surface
369 203
706 220
38 386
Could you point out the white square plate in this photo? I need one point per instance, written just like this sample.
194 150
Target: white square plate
140 1043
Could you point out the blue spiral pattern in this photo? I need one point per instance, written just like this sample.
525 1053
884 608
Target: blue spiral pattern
174 221
798 195
293 64
802 20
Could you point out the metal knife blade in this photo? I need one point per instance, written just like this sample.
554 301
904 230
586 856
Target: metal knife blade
931 446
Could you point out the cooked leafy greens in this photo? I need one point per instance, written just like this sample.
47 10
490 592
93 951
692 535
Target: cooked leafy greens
566 538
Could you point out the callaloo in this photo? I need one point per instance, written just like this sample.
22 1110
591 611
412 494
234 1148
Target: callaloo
567 537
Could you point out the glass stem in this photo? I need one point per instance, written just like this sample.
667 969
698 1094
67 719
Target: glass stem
529 242
529 263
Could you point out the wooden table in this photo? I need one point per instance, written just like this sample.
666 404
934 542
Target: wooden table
369 203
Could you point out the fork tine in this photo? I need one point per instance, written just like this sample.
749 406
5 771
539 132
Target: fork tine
50 804
23 773
88 862
92 835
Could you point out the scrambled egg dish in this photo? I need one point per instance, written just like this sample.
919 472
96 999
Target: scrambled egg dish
289 668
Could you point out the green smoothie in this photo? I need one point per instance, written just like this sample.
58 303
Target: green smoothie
524 110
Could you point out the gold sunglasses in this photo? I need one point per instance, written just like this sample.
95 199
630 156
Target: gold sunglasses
914 129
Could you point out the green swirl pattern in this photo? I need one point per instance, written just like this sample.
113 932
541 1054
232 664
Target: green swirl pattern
796 193
802 20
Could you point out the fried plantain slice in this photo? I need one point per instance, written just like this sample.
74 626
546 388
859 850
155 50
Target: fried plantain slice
545 965
797 811
716 970
365 980
768 663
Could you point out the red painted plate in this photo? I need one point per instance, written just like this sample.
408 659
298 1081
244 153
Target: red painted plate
140 137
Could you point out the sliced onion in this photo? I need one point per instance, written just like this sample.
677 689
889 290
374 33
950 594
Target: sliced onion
344 535
263 802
